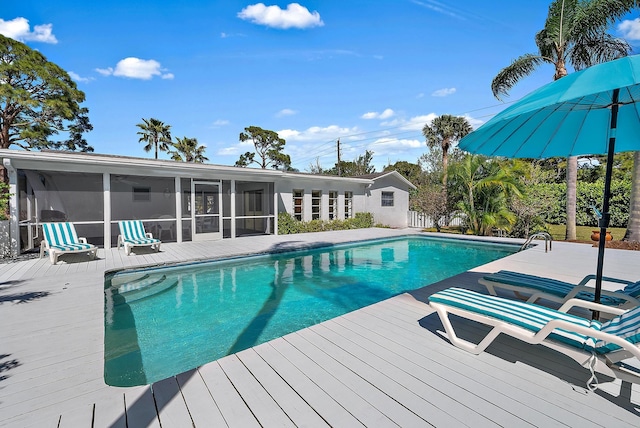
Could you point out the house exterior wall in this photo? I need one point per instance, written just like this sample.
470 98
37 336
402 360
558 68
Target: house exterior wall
135 188
286 187
395 216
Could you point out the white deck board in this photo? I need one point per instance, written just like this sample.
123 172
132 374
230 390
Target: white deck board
294 406
203 410
262 405
325 405
172 410
351 378
385 364
230 403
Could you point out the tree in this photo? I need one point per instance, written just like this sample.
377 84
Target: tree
188 150
633 227
410 171
430 199
575 34
443 132
268 145
156 134
38 100
484 186
360 166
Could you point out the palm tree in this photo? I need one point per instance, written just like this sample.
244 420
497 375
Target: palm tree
575 34
156 134
189 148
443 132
484 186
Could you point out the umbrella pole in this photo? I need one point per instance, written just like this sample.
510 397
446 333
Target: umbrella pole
603 222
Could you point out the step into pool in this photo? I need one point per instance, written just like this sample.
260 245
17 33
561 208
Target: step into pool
163 321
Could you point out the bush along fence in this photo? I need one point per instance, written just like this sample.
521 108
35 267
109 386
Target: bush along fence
589 195
287 224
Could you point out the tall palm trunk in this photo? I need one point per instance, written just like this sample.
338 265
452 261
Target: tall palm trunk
572 184
633 227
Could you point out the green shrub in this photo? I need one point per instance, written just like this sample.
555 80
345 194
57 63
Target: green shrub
588 194
287 224
4 201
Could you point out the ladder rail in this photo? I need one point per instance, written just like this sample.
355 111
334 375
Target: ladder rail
548 241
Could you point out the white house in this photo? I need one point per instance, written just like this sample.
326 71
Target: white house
182 201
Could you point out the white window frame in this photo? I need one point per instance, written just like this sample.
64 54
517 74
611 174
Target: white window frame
387 199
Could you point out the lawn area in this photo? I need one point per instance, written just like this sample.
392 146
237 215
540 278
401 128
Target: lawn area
557 231
583 233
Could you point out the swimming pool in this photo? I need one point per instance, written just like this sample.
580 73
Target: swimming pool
163 321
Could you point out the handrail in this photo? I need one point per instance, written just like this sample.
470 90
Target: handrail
547 238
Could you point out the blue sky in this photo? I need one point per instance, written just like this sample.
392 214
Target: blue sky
370 73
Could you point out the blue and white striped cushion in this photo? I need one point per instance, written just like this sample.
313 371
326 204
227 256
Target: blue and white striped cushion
549 285
63 237
530 316
632 290
133 232
626 326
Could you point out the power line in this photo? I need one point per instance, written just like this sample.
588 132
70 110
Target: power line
331 149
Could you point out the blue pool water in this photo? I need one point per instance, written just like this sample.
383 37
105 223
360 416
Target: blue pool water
163 321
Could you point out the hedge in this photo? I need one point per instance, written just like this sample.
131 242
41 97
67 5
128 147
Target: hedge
589 194
287 224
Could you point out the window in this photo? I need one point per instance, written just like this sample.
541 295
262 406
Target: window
298 198
348 204
316 204
387 199
333 205
142 193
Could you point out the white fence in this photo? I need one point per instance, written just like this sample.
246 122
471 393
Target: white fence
422 220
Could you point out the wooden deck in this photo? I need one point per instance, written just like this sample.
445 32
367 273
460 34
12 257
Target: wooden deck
384 365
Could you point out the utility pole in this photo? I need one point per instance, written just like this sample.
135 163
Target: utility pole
338 143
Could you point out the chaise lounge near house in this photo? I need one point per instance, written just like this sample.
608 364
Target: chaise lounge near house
181 202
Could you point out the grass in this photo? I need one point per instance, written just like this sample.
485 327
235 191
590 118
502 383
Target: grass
583 233
557 231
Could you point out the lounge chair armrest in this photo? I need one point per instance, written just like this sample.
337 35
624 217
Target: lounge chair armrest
149 235
83 240
592 277
579 303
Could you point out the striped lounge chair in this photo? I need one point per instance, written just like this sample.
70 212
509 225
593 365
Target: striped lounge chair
531 288
605 345
61 238
132 234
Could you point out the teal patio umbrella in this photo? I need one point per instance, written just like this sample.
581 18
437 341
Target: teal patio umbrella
590 112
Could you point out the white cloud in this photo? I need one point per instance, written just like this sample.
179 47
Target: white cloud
294 16
444 92
19 29
286 112
136 68
78 78
220 122
630 29
394 145
316 133
375 115
415 123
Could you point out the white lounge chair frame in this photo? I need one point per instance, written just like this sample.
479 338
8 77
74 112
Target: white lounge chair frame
61 238
132 234
606 363
531 294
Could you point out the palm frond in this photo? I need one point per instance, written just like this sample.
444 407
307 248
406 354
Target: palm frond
561 20
595 16
590 50
510 75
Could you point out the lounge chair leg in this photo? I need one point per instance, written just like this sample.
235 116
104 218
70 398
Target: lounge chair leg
461 343
53 256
